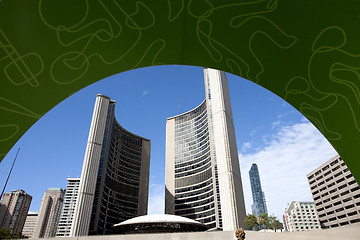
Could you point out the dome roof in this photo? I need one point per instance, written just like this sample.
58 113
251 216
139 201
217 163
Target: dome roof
158 218
159 223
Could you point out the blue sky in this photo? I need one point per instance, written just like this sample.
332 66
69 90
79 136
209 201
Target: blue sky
269 132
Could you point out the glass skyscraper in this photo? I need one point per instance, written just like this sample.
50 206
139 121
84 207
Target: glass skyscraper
259 204
202 176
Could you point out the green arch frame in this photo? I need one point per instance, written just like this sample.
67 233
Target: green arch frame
306 52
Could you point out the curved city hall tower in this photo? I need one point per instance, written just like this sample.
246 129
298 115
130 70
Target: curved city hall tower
203 180
115 176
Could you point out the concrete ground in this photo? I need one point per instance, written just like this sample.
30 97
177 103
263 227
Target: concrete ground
351 232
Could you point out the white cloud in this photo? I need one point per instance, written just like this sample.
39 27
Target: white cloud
275 124
290 153
245 146
145 92
156 203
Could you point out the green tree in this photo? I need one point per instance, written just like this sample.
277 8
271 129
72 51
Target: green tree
263 221
251 222
6 234
274 223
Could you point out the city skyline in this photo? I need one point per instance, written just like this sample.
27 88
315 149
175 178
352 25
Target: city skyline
265 127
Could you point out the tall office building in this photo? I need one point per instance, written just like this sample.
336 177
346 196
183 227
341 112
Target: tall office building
115 175
49 213
30 224
336 193
13 210
259 204
203 180
300 216
67 212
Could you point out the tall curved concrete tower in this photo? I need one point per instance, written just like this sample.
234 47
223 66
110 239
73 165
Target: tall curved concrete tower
115 175
202 178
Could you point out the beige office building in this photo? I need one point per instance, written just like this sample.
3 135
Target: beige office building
115 175
67 212
203 180
300 216
336 193
49 213
13 210
30 224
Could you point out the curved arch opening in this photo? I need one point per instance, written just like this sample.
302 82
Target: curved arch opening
269 131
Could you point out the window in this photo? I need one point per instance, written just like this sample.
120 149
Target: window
347 199
350 206
340 180
334 162
339 209
355 220
344 193
342 186
328 179
320 177
335 197
335 168
330 212
324 168
349 176
352 213
328 206
332 191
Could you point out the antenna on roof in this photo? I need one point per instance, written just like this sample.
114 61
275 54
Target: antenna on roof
179 107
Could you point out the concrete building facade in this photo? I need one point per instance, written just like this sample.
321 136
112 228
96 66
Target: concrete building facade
30 224
336 193
300 216
259 204
49 213
115 175
13 210
202 178
67 212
